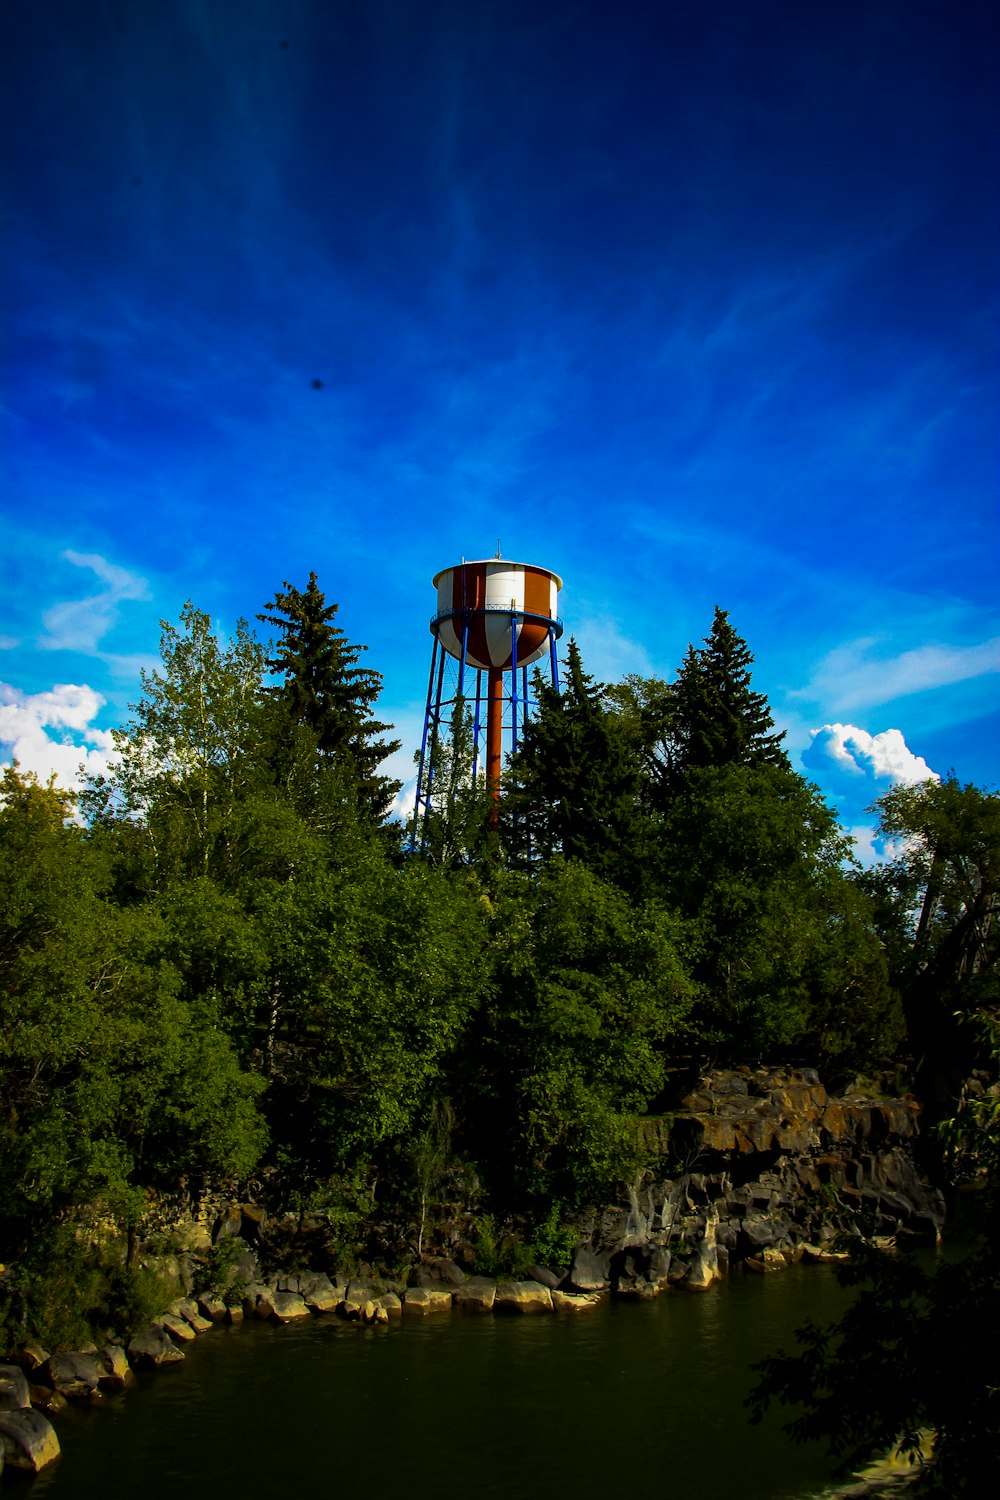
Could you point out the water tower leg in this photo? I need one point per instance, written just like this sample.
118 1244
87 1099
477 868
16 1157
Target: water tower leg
494 736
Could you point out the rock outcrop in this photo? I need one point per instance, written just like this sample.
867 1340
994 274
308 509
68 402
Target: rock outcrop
763 1164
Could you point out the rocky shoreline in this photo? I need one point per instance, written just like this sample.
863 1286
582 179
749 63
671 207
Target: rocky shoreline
756 1171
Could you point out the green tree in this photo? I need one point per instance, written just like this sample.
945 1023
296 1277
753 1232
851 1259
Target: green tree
939 902
111 1082
591 990
645 709
194 749
379 971
325 689
572 787
752 856
717 719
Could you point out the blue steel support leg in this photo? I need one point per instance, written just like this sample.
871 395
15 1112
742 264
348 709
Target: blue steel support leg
432 753
477 726
553 657
513 682
423 747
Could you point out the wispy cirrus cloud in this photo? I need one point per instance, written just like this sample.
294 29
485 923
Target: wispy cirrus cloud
80 625
857 675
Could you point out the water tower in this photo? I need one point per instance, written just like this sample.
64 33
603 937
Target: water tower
494 620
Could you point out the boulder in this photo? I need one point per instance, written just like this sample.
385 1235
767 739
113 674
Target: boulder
437 1273
475 1295
547 1276
117 1371
288 1306
187 1309
391 1304
234 1314
265 1302
178 1328
522 1297
29 1440
636 1290
316 1283
31 1357
44 1398
14 1393
76 1376
587 1272
421 1301
152 1349
212 1308
323 1299
767 1262
575 1301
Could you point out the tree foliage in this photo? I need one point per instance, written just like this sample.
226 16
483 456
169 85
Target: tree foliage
227 966
323 688
572 787
938 902
589 988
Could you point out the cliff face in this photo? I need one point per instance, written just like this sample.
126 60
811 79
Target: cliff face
758 1169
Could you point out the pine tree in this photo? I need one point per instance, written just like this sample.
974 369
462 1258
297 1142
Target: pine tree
573 784
718 719
324 689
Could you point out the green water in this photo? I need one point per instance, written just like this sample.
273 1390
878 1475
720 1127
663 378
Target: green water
632 1397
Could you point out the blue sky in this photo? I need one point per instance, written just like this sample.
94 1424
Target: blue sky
693 303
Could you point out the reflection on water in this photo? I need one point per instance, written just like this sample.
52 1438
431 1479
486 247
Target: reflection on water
632 1396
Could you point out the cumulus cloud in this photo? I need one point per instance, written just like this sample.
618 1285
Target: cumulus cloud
855 753
53 734
854 767
81 624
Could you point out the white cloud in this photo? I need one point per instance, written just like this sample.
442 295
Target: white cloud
80 624
53 734
853 676
861 756
853 767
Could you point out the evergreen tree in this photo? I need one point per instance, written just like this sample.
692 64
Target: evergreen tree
718 719
325 689
573 785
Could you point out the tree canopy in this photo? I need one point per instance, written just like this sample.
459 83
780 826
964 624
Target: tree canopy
229 965
323 688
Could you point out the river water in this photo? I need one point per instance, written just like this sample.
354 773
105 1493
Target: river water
628 1399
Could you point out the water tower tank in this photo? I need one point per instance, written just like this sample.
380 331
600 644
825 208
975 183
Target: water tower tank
500 613
495 619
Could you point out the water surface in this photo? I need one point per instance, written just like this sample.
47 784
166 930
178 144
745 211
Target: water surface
631 1397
